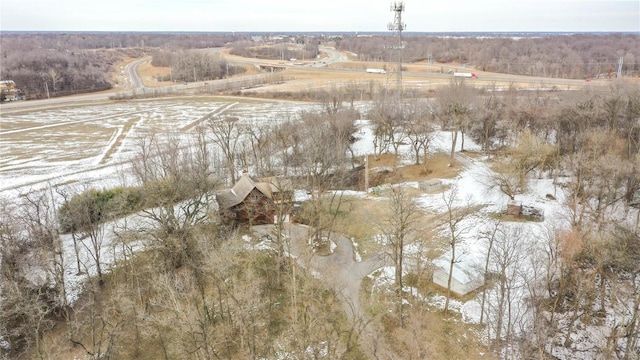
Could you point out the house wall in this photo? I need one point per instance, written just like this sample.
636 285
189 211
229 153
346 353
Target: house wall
256 207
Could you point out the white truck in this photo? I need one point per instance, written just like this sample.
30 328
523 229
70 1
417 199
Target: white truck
465 75
376 71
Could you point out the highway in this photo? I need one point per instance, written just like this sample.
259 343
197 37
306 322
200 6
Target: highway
132 71
321 66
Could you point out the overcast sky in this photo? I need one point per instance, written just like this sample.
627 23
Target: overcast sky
321 15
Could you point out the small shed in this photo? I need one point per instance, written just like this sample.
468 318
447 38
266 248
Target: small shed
464 279
514 208
430 185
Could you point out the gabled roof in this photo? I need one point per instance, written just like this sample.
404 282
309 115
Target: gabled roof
277 184
237 194
245 185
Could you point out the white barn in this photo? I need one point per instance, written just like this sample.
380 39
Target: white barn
464 280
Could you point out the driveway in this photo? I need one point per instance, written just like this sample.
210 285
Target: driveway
341 272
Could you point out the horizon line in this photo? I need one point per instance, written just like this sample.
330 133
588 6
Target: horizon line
328 31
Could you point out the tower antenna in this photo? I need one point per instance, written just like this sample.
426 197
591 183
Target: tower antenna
397 7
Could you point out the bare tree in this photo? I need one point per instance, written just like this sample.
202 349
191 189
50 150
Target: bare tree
226 133
66 224
456 229
178 182
324 161
504 310
85 215
456 104
93 320
390 119
32 284
398 227
487 127
260 148
489 237
331 100
419 130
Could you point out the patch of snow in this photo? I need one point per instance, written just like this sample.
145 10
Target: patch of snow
438 302
383 277
301 196
356 252
364 138
332 246
381 239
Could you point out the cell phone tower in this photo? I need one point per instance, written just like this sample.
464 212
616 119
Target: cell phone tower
398 26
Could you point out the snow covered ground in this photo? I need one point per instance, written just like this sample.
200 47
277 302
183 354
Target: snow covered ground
518 252
91 146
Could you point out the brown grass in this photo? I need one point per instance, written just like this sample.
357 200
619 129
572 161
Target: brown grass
362 215
436 167
415 75
425 328
149 74
357 223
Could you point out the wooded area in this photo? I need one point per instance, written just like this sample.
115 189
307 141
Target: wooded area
58 64
52 64
564 56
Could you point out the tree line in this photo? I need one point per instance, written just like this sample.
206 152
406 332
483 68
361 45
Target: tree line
42 73
57 64
301 48
563 56
193 65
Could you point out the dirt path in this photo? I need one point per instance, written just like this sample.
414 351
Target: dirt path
341 272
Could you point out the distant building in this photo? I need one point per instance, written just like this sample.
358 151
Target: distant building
7 84
430 185
254 201
9 92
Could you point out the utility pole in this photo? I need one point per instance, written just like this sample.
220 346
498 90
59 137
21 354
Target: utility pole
620 62
398 26
366 174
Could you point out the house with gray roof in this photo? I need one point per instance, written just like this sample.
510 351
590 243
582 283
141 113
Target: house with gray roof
254 201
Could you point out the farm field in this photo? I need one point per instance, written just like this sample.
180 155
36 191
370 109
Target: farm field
91 145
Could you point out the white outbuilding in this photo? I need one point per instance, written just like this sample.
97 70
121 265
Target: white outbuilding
465 277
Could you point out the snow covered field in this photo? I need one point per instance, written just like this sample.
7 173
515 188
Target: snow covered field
91 145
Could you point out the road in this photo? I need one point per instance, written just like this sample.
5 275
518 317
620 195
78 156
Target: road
132 71
332 56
